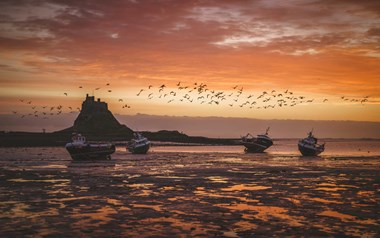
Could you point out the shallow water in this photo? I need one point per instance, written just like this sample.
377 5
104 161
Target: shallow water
334 147
192 191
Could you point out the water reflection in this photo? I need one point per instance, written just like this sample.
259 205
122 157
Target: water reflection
187 195
94 219
241 187
266 213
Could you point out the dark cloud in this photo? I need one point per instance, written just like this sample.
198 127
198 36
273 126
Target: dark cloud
183 26
373 32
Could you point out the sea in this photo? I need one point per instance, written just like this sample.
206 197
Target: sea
193 191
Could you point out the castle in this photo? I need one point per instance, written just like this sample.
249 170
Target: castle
89 105
95 118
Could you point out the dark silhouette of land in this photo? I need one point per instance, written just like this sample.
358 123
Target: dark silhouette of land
98 123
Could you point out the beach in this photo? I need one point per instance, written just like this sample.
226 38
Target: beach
192 191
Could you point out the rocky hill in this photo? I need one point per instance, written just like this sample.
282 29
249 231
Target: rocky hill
96 120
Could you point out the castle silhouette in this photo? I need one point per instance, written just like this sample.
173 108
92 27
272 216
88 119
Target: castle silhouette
96 119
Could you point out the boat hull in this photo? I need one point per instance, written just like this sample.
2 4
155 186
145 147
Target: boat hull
309 151
139 149
253 147
89 152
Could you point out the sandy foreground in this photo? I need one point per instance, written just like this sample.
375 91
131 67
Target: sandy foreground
169 194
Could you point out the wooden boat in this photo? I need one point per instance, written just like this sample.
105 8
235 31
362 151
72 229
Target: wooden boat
257 144
138 145
309 146
79 149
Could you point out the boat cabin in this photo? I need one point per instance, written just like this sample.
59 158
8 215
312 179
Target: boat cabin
78 138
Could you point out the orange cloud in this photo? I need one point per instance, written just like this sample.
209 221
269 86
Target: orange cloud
312 47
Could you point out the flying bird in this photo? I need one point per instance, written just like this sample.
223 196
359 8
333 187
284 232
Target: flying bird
140 92
161 88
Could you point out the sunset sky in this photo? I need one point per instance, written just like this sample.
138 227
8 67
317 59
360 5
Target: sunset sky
317 50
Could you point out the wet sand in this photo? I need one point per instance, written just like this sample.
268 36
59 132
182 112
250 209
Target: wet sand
170 194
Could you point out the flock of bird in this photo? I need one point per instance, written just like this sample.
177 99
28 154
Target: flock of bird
236 97
194 93
43 112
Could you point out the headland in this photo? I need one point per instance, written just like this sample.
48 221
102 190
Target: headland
97 123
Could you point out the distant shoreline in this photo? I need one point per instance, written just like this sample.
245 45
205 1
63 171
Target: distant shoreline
35 139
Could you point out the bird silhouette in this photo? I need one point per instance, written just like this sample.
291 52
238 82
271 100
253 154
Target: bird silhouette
161 88
140 92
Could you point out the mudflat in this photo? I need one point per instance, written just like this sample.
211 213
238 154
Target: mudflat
43 193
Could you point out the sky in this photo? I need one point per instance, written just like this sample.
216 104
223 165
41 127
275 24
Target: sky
323 57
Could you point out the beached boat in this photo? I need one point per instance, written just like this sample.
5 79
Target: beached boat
257 144
79 149
139 144
309 146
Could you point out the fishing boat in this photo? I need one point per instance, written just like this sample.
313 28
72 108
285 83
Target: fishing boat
309 146
139 144
257 144
80 149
